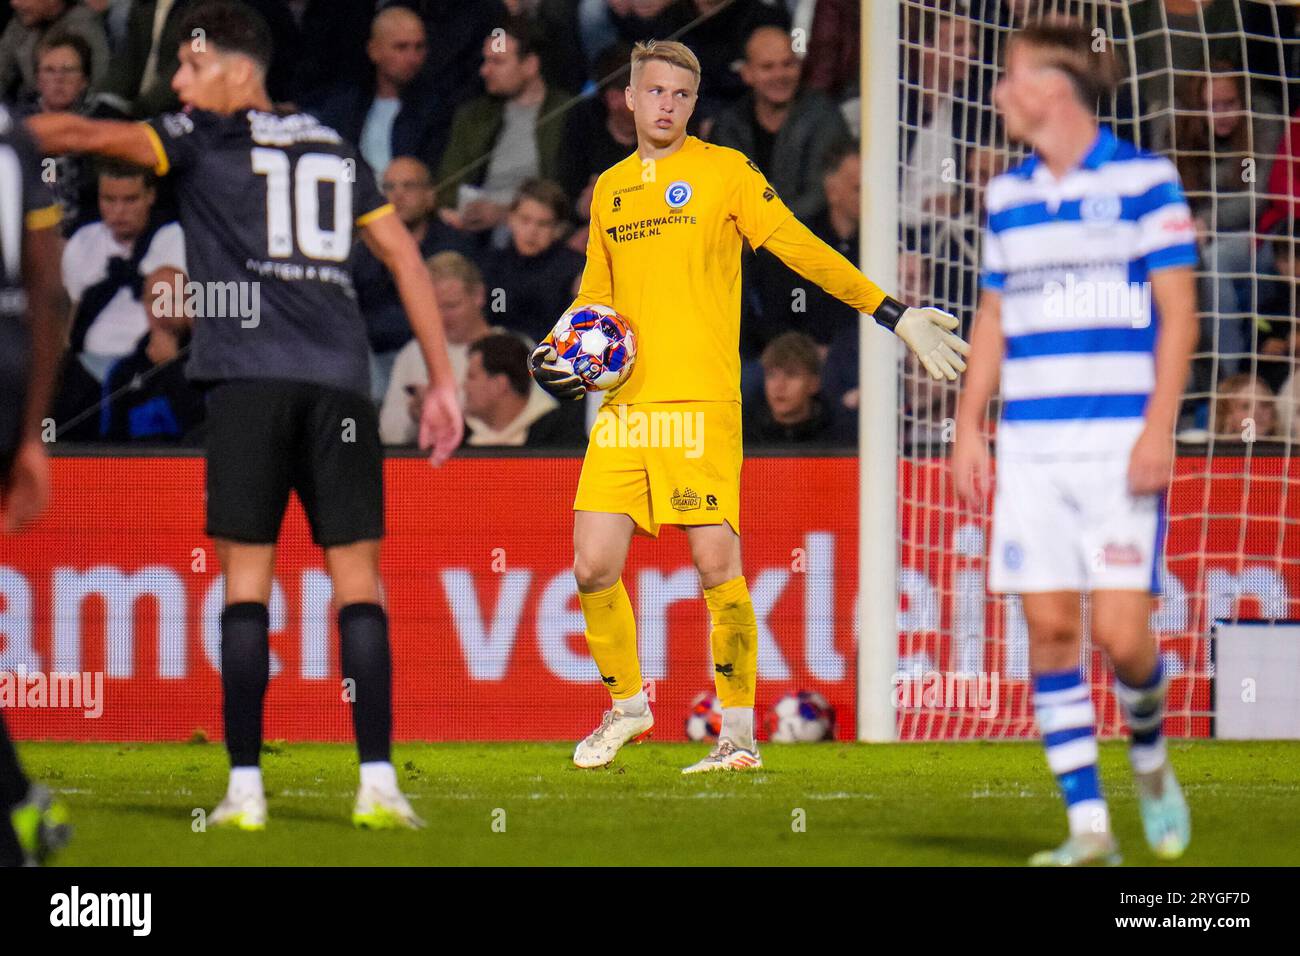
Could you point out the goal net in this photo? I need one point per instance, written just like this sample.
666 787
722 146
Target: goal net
1213 86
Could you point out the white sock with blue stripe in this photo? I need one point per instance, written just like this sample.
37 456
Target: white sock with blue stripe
1144 712
1063 706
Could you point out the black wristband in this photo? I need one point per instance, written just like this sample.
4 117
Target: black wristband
889 312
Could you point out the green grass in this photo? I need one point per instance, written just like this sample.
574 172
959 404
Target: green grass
926 804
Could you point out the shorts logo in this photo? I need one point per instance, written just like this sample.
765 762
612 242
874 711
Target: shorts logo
710 502
1013 556
686 500
1116 555
1100 210
678 194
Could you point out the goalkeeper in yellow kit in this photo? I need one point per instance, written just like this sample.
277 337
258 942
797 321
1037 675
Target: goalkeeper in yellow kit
667 225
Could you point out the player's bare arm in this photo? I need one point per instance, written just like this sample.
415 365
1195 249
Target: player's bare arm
131 142
28 489
928 332
441 425
1151 462
970 457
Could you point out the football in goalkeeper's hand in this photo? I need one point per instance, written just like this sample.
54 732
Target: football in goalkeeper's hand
596 343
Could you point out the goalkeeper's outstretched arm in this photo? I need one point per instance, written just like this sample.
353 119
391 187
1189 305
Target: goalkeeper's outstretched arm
928 332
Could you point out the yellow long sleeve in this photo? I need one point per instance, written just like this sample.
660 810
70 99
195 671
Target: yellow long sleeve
795 244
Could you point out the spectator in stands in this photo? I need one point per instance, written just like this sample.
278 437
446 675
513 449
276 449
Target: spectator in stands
503 408
840 370
1173 38
791 411
785 130
32 20
104 265
938 120
1277 304
392 114
408 185
719 41
1216 141
62 78
1288 408
322 49
830 55
497 141
786 300
534 278
138 82
1244 410
152 400
603 125
458 289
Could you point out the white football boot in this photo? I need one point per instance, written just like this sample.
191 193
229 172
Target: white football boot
246 811
616 728
727 756
382 808
1084 849
1166 820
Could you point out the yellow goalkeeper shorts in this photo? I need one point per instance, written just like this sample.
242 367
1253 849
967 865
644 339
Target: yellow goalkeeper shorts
664 463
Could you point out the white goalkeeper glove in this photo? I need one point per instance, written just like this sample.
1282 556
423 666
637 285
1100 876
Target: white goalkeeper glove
928 333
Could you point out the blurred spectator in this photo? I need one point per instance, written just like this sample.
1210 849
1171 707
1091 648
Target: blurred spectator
152 399
1173 38
1288 408
62 78
604 127
1276 299
458 289
840 370
831 47
408 185
1244 410
323 49
32 20
104 265
502 406
786 131
791 412
391 114
719 42
534 278
114 15
937 119
1215 142
786 300
497 141
139 78
456 53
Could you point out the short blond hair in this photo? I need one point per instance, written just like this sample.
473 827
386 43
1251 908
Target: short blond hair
665 51
452 265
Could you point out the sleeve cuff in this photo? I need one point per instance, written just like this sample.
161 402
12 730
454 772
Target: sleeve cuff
43 218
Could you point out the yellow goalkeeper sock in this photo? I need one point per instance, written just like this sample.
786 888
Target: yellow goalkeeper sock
611 636
735 642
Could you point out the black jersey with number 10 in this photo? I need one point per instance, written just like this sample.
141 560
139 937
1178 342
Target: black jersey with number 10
269 205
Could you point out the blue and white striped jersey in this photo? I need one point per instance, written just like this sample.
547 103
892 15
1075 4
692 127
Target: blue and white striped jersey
1072 260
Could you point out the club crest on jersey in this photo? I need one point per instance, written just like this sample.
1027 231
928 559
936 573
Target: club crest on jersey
678 194
1100 210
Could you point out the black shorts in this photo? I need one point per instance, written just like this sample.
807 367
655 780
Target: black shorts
266 437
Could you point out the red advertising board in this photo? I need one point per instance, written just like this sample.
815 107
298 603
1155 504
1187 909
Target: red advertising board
118 580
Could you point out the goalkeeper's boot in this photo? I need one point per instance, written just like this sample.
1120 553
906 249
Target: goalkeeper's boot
1084 849
41 824
727 756
382 808
616 728
240 811
1165 817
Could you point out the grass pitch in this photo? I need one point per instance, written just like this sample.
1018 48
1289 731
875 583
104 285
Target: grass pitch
825 804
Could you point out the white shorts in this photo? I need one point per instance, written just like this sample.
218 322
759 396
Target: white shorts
1073 526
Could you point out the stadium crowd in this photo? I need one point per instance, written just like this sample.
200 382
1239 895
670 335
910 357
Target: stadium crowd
486 123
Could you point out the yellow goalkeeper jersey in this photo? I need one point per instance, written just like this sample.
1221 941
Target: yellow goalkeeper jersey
664 251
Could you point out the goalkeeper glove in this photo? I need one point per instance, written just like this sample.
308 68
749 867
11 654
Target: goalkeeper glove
928 333
555 379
